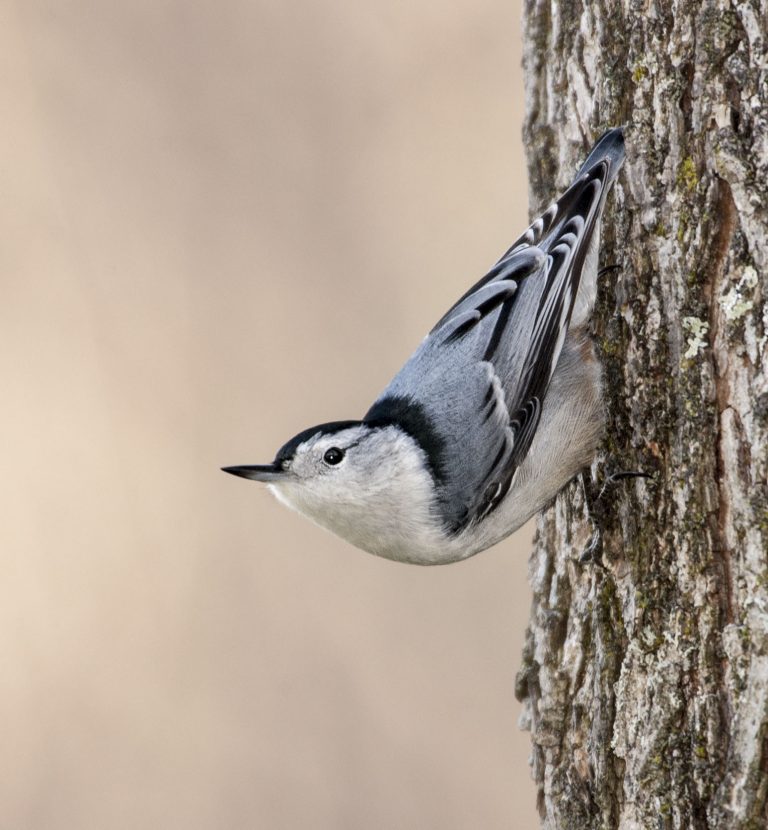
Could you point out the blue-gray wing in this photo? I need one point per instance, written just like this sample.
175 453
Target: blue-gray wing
473 391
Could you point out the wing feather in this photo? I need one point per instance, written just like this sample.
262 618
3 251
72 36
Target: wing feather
479 379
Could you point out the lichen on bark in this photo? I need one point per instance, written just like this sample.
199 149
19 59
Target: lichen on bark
645 674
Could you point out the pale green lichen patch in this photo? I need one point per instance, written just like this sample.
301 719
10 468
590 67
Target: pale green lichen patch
639 72
696 342
686 174
734 302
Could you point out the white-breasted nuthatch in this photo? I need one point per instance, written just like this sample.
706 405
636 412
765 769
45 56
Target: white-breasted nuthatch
496 410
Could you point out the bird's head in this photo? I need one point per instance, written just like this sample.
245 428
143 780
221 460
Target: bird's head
365 482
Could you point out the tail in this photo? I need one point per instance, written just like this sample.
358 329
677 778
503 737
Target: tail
609 147
581 203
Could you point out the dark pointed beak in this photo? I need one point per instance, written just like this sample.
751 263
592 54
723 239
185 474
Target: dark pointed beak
256 472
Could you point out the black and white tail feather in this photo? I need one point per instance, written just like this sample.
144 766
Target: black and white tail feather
489 360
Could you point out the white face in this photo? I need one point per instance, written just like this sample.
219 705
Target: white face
345 467
368 485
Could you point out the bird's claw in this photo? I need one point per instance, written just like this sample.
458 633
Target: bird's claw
613 478
607 269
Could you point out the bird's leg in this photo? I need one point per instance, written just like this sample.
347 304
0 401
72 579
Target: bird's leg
597 506
614 478
594 550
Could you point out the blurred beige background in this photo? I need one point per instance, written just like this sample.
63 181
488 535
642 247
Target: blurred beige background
222 223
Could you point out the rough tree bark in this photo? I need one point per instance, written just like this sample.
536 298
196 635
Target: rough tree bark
645 674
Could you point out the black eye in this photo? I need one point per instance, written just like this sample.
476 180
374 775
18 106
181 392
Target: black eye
333 456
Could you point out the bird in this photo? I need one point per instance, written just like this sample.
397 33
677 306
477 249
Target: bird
499 407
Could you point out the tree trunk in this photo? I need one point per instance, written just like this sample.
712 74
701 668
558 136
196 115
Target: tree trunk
645 673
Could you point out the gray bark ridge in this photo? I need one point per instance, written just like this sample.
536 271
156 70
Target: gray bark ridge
645 676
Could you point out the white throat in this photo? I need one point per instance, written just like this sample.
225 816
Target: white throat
388 508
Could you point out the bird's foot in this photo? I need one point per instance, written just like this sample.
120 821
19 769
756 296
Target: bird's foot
596 498
593 552
614 478
608 269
